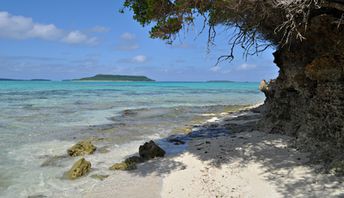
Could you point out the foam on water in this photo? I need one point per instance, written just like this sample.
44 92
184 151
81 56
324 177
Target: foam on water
39 121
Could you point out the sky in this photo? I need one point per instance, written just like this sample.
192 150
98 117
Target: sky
67 39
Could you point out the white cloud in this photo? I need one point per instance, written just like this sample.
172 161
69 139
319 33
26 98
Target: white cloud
136 59
139 59
76 37
127 42
19 27
246 66
100 29
215 69
48 32
128 36
242 67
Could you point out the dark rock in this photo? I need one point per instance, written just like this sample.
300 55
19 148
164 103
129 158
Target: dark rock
129 112
134 159
147 151
324 68
81 148
150 150
123 166
338 168
80 168
176 141
128 164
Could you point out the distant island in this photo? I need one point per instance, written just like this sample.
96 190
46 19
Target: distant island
8 79
220 81
104 77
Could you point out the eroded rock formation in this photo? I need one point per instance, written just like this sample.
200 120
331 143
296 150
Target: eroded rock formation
307 98
84 147
80 168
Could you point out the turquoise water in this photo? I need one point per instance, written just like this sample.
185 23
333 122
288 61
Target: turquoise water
39 120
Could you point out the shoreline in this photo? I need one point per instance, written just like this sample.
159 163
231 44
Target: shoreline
218 163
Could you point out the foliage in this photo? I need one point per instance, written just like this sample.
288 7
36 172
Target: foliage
279 22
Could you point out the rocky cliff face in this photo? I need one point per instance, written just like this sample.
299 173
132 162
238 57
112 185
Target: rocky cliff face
307 98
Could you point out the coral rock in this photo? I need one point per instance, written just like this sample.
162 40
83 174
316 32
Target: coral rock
80 168
81 148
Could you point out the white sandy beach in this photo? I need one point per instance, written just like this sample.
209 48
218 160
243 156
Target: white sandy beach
245 164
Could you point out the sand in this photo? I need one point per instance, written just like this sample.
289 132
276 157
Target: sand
246 163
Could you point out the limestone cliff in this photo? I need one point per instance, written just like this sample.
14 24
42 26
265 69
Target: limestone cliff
307 98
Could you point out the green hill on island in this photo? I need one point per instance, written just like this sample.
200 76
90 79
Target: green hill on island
102 77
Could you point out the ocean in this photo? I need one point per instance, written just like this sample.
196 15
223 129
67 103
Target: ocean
39 121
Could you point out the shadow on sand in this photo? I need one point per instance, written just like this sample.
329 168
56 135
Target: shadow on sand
235 139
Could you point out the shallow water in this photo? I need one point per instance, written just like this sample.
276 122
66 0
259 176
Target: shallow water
39 120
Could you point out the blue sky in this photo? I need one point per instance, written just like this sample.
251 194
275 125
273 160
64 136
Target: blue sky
67 39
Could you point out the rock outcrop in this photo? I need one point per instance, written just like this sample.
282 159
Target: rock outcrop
123 166
147 151
307 98
150 150
134 159
264 87
338 168
81 148
80 168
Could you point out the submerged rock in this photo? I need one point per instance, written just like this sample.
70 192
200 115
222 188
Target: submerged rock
123 166
36 196
129 112
150 150
176 141
80 168
81 148
54 160
99 177
104 149
128 164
